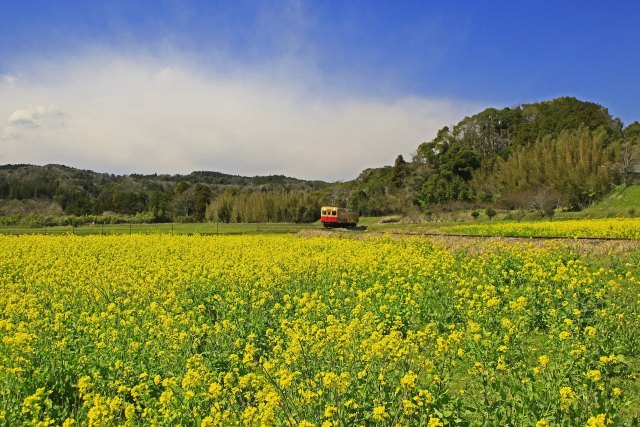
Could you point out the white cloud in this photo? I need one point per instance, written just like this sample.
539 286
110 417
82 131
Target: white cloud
37 116
121 114
22 118
8 80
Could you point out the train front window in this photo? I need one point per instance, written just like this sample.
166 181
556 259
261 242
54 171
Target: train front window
324 212
334 213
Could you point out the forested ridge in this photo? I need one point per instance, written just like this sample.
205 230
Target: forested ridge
56 190
562 153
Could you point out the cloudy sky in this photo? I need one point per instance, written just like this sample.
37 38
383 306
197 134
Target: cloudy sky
316 90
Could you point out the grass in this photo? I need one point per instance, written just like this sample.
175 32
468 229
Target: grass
197 228
178 228
618 203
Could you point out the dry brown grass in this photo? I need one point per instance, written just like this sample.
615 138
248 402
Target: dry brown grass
582 247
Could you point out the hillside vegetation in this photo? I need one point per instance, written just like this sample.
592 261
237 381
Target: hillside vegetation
560 153
624 200
564 153
54 190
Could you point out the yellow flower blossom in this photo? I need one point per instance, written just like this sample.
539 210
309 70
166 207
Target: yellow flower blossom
567 395
593 375
329 411
380 413
599 420
409 380
543 360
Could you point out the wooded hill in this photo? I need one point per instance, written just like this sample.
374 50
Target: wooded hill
55 190
561 153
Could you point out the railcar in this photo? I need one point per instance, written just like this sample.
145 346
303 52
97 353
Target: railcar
333 216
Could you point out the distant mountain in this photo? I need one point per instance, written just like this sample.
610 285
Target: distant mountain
62 174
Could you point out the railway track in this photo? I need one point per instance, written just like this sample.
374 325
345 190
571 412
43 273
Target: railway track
622 239
479 236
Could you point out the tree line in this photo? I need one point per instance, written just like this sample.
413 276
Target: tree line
559 153
55 191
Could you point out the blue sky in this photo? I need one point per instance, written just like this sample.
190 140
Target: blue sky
261 87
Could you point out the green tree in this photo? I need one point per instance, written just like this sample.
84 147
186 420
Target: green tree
399 171
183 204
182 186
490 212
201 198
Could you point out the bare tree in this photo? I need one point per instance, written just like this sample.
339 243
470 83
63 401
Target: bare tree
545 200
339 194
629 162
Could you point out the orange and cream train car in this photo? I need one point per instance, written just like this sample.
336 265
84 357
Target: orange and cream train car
333 216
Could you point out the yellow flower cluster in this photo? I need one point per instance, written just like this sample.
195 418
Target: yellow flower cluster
627 228
293 331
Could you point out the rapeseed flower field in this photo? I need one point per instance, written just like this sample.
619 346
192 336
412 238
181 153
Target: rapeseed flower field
622 228
324 331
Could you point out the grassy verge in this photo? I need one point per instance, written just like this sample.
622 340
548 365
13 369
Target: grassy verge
190 228
623 201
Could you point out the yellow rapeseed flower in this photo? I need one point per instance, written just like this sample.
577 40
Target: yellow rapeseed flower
380 413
